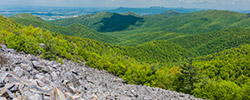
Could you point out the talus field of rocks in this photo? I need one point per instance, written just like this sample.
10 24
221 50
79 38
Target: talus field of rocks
28 77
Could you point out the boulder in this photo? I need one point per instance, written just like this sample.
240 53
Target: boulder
58 95
11 50
25 66
32 78
19 71
40 66
13 87
2 76
3 98
39 76
2 91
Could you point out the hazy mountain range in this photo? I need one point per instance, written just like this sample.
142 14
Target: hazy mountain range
205 53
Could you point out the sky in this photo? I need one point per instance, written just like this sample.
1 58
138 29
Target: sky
211 4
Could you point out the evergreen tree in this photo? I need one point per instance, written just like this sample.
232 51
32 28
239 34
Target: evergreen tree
49 52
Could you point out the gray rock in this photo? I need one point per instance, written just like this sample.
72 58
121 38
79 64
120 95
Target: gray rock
41 67
56 66
39 76
19 71
79 98
40 83
2 91
3 98
125 98
3 47
12 96
2 76
11 50
59 95
26 66
32 96
54 75
11 86
42 45
38 79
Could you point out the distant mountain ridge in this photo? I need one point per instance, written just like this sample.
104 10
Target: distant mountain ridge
71 30
152 10
202 53
103 21
166 27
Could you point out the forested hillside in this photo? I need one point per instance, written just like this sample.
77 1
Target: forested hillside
204 21
219 76
71 30
157 27
103 21
207 43
151 10
204 53
159 52
213 75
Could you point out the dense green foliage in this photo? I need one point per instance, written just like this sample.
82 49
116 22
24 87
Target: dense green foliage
219 76
98 55
118 22
72 30
158 51
204 21
144 37
103 22
223 72
87 20
7 24
171 12
181 25
206 54
212 42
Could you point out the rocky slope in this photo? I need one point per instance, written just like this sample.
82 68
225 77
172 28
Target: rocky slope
28 77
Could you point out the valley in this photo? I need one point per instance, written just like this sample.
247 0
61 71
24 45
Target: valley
205 53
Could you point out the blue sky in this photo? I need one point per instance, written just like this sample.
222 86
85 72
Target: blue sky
213 4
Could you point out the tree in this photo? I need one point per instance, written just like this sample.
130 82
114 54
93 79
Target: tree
188 77
219 90
49 52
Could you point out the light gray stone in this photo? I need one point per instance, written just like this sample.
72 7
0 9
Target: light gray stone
19 71
26 66
38 79
2 76
3 98
11 50
39 76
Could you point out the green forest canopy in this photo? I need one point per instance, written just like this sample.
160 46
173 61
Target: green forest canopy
208 64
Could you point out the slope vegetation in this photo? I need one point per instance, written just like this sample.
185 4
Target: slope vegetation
52 46
195 53
209 76
182 25
204 21
87 20
72 30
159 51
7 24
103 21
25 70
212 42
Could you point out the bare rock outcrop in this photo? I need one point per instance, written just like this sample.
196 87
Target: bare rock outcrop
28 77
